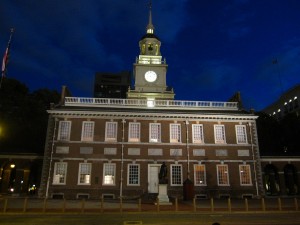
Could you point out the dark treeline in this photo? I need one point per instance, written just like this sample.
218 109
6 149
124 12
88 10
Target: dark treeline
23 117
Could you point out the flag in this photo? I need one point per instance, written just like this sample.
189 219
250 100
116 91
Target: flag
5 61
6 55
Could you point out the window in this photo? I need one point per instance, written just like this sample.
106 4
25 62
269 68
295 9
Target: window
60 172
175 133
199 175
154 132
64 130
176 175
84 176
241 135
133 174
87 133
111 131
109 173
245 175
219 134
134 132
197 130
222 175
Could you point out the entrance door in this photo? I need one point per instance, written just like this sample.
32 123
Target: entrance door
153 171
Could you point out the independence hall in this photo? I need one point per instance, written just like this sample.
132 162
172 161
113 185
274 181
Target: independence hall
114 147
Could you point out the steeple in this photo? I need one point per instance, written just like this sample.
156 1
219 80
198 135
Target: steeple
150 27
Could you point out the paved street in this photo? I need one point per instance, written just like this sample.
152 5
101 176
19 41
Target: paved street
161 218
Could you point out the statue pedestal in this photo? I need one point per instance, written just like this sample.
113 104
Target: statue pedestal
163 198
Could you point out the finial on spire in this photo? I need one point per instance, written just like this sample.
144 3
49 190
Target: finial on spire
150 27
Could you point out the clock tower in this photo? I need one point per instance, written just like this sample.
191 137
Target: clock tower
150 69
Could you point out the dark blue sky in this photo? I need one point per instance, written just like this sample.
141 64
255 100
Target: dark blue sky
214 48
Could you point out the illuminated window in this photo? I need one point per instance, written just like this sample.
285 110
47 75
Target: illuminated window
219 134
222 175
64 130
197 130
87 133
175 133
176 175
154 132
133 174
60 172
199 175
245 175
111 129
109 173
134 132
241 135
84 176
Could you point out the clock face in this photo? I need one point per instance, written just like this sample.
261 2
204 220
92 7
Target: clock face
150 76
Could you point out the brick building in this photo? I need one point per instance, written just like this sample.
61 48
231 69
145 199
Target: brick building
109 147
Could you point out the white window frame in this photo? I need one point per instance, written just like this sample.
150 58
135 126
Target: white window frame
199 175
245 175
175 133
223 175
84 174
60 173
155 132
174 175
64 130
219 131
109 174
134 132
111 131
87 131
198 134
241 134
131 174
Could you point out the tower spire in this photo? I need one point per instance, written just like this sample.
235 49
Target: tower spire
150 27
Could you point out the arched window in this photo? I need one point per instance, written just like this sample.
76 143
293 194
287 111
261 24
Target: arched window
271 179
291 179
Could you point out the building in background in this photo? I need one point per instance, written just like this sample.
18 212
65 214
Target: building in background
288 102
112 85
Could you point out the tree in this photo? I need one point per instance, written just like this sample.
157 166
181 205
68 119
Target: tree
23 117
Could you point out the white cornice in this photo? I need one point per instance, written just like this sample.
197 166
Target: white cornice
150 116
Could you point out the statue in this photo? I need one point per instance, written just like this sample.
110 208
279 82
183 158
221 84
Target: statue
163 174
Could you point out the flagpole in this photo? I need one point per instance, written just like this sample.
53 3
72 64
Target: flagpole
5 57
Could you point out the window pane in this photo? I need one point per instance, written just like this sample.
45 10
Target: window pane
200 176
245 175
241 134
197 133
60 170
223 178
155 135
134 132
64 130
84 173
109 171
133 174
176 178
219 134
175 133
111 131
87 131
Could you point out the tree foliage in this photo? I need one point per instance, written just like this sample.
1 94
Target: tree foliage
23 117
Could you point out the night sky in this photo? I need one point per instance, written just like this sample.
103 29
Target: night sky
214 48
